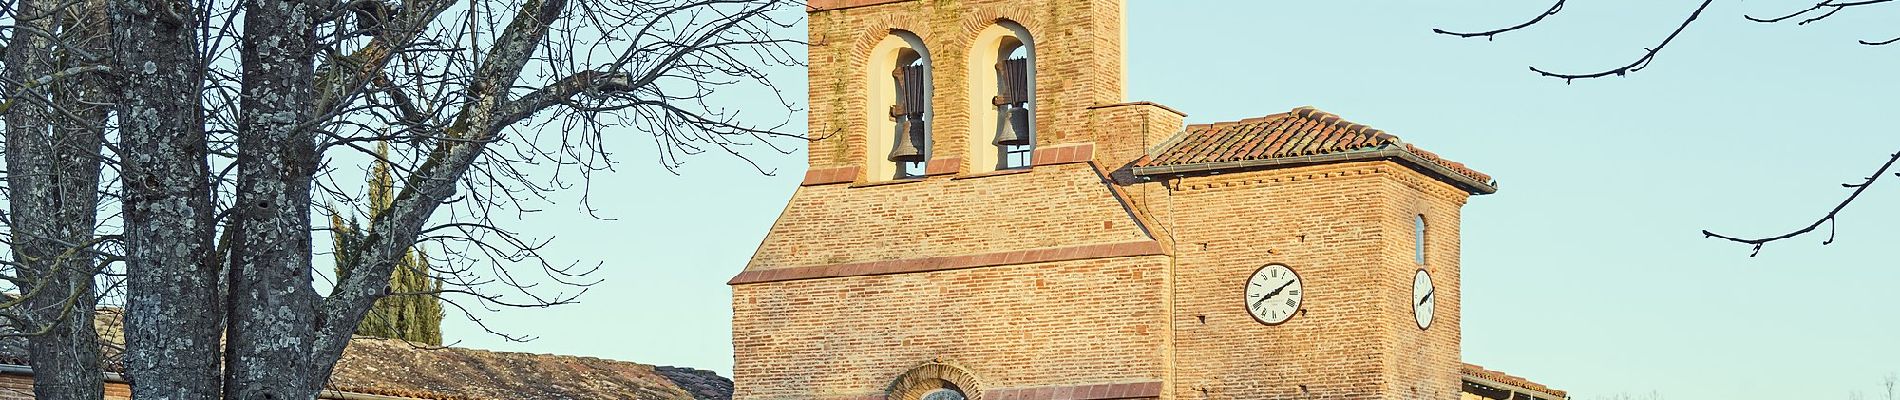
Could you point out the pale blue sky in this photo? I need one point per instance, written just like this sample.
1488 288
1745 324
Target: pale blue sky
1584 272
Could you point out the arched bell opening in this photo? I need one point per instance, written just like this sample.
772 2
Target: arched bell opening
1003 101
898 117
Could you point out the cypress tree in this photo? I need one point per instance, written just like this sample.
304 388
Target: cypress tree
415 318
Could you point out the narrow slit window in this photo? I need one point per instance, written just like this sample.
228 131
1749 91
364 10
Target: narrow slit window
1418 239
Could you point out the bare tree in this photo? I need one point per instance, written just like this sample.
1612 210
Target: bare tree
227 123
1814 13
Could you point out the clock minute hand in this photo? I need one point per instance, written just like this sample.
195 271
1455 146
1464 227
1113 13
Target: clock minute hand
1269 295
1276 291
1427 297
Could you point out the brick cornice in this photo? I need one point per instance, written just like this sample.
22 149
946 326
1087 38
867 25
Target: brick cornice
927 264
943 166
1106 391
825 176
1063 154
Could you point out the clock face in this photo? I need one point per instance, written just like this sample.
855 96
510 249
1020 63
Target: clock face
1424 298
1274 294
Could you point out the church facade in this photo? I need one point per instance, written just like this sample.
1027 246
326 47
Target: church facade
986 216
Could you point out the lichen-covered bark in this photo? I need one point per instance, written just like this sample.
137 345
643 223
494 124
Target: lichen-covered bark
173 311
272 304
53 141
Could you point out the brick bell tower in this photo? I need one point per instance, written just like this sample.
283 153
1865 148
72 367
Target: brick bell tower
985 217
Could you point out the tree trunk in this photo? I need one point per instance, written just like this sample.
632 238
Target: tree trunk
53 142
272 304
173 314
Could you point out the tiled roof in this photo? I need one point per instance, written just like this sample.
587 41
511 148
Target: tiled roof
393 368
1301 132
1473 370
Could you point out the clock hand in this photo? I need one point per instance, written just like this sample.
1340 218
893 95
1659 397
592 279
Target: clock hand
1427 298
1276 291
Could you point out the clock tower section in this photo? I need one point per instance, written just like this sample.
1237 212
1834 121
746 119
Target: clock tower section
985 217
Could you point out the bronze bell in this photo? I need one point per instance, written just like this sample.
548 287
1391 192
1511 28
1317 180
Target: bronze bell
910 138
1016 133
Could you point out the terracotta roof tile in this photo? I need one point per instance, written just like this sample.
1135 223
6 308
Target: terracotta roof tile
1303 131
394 368
1473 370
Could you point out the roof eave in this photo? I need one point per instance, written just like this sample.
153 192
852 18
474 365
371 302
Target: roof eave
1506 386
1462 181
114 377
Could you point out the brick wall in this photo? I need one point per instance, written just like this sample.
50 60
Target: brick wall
1078 63
1346 229
1047 324
1171 320
1050 206
1424 364
1124 132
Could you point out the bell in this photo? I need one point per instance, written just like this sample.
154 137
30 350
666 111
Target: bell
1016 133
910 137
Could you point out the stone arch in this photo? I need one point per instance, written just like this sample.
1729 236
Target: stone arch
914 384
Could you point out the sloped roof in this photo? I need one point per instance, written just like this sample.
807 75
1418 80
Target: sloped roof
394 368
1302 133
1473 370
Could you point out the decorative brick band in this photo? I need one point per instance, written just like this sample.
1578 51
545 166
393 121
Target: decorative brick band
1063 154
1107 391
830 175
827 5
927 264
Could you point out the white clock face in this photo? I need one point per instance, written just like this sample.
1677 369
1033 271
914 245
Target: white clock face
1424 298
1274 294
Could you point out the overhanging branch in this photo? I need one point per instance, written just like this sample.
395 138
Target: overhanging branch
1825 219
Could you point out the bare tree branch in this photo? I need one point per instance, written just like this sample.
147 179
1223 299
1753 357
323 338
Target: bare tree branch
1491 34
1826 9
1829 219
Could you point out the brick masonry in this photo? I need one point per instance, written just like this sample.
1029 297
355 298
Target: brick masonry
1064 323
1076 41
1055 206
1076 279
1347 230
